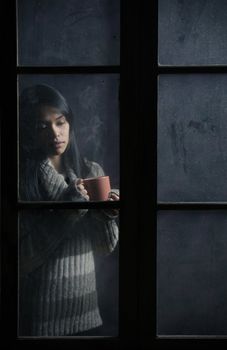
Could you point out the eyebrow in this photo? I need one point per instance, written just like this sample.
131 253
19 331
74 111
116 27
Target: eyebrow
47 121
60 116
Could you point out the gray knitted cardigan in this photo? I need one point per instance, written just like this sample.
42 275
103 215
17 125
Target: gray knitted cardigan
57 285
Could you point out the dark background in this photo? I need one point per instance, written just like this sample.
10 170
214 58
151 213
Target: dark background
72 32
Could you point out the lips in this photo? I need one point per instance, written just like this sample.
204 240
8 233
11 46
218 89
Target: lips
57 144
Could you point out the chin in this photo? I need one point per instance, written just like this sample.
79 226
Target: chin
59 153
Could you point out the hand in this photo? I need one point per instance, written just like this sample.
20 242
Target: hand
112 197
80 187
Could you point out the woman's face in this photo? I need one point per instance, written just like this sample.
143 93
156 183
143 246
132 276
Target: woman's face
52 131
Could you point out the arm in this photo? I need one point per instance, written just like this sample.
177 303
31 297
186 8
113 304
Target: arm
55 187
42 232
104 230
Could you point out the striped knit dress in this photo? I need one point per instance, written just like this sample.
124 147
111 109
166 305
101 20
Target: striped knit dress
57 285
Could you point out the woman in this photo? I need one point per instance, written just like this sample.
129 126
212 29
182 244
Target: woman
57 286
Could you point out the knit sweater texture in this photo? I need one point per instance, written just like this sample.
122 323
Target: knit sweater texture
57 285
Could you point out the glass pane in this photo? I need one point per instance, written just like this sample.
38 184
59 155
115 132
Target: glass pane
192 138
81 133
192 32
191 273
68 33
68 259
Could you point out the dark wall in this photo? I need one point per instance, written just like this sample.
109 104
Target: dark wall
72 32
191 273
192 142
192 32
94 100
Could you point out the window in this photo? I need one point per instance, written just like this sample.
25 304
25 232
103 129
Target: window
172 155
191 167
46 88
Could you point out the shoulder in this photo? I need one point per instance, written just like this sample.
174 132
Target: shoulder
94 168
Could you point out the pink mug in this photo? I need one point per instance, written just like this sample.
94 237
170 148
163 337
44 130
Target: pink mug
98 188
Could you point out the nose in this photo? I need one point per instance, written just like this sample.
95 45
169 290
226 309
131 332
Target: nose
55 132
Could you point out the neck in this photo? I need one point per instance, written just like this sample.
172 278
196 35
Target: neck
57 163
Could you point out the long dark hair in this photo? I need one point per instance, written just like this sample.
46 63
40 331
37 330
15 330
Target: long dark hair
30 102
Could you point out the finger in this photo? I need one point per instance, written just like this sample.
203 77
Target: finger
81 187
114 196
79 181
84 193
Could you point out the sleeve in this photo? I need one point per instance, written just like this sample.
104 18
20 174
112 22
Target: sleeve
56 189
54 185
104 233
104 230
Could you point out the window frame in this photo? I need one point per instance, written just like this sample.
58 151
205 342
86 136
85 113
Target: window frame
150 72
12 206
138 71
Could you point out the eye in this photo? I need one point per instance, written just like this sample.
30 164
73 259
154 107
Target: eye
61 122
41 126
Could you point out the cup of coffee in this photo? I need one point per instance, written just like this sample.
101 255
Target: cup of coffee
98 188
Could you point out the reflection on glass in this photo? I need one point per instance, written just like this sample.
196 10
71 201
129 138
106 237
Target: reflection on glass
68 33
51 167
191 272
64 265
